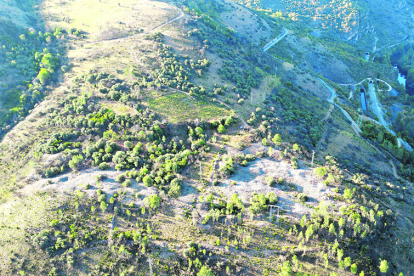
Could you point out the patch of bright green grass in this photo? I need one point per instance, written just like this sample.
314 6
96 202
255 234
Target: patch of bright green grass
179 107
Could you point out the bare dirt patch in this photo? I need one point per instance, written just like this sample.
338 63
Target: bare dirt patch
251 179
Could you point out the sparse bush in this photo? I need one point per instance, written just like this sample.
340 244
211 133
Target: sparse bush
221 129
42 239
320 172
302 197
272 198
148 181
152 201
175 188
103 166
294 163
54 223
120 178
101 198
250 157
127 183
270 180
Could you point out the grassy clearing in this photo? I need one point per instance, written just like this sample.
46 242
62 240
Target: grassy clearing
20 216
110 17
118 108
179 107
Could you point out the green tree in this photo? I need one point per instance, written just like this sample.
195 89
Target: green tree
221 129
295 147
354 268
128 144
277 139
383 266
286 269
332 229
320 172
340 254
175 188
270 180
348 194
347 262
148 181
204 271
152 201
44 75
49 62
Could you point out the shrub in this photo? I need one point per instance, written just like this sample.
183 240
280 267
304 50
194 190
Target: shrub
270 180
101 198
128 144
44 75
302 197
320 171
354 268
272 198
250 157
221 129
204 271
126 183
348 194
152 201
260 154
99 177
148 181
175 188
281 180
103 166
54 223
120 178
294 163
42 239
295 147
103 205
277 139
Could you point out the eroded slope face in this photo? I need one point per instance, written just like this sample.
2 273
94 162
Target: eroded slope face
168 138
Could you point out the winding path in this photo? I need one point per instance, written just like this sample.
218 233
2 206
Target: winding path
376 107
354 84
357 130
331 100
274 41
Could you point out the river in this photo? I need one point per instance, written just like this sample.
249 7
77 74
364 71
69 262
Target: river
402 79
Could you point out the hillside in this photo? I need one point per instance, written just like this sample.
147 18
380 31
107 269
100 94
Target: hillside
369 25
162 138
